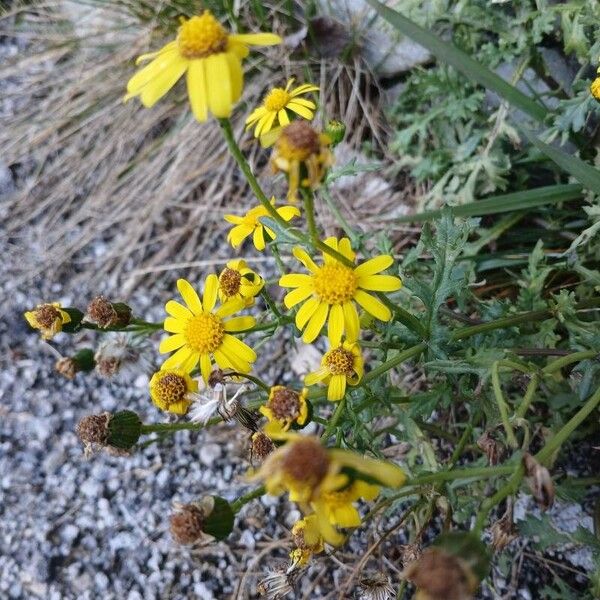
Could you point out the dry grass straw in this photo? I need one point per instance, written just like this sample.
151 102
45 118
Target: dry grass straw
113 191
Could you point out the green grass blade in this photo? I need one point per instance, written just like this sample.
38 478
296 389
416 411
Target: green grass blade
461 61
587 175
525 200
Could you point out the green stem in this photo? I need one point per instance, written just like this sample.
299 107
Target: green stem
243 500
173 427
554 444
564 361
271 303
309 214
502 407
472 473
338 215
528 397
334 419
390 364
256 380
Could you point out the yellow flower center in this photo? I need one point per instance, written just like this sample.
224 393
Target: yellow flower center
201 36
335 283
204 332
171 388
298 141
340 362
276 99
230 281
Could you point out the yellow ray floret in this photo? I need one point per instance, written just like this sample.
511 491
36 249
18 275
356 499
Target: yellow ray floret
329 292
211 59
202 333
276 106
250 225
341 365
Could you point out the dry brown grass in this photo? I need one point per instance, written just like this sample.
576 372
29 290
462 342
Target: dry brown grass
114 192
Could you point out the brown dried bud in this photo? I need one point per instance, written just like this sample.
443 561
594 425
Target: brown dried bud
93 429
409 553
261 446
503 530
493 449
69 366
306 460
441 576
186 524
108 367
301 136
216 376
104 313
539 481
66 367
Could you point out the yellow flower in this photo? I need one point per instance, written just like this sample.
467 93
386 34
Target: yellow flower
339 366
172 389
284 407
330 290
308 540
48 318
237 281
309 472
595 88
304 155
338 507
249 224
202 333
211 59
276 104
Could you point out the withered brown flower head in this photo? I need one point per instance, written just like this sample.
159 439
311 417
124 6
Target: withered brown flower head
186 524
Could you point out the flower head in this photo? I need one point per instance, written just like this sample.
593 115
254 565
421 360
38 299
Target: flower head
310 473
202 333
48 318
105 313
284 407
211 59
277 103
172 390
304 155
249 224
340 366
595 88
331 289
308 540
238 281
122 355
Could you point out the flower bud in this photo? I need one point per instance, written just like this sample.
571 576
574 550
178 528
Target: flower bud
124 429
69 366
104 313
539 481
336 130
261 446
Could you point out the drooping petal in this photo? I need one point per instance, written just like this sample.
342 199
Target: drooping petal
232 345
171 343
197 92
256 39
301 110
351 321
315 324
163 61
287 213
238 234
316 377
336 388
380 283
205 366
236 74
387 473
157 87
335 328
218 83
178 359
374 265
283 117
149 55
259 238
346 515
190 296
373 306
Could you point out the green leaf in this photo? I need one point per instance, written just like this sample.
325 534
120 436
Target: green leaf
587 175
461 61
525 200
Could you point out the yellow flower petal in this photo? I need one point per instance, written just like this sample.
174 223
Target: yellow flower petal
387 473
306 312
256 39
218 84
374 265
335 323
380 283
316 377
178 359
373 306
230 307
150 71
259 239
236 74
173 325
336 388
283 117
304 112
351 321
177 310
305 259
239 323
315 324
155 89
231 345
205 366
171 343
294 280
296 296
196 85
209 298
287 213
190 296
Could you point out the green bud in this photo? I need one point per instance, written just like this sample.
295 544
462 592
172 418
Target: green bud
124 429
219 522
336 131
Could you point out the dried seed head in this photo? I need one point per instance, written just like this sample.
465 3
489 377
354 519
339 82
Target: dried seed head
47 315
108 366
375 587
278 584
105 313
230 281
93 430
67 367
261 446
503 531
186 524
540 482
409 553
493 449
284 403
306 461
441 576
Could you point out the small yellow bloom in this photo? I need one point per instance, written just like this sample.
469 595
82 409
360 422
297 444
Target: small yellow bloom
285 407
237 281
595 88
276 104
202 333
172 389
309 472
330 290
308 540
249 224
304 155
211 59
338 507
340 366
48 318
